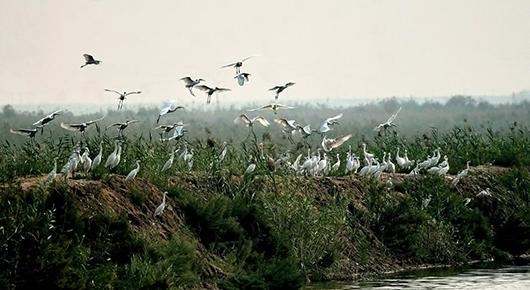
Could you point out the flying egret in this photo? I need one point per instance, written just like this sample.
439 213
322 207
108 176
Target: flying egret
81 127
160 209
90 60
210 91
238 64
244 119
389 123
289 127
169 107
177 134
122 126
325 126
133 172
306 130
242 78
97 159
25 132
330 144
122 96
44 121
189 83
273 107
279 89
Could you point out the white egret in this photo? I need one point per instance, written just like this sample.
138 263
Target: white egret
389 123
169 107
306 130
244 119
238 64
325 126
133 172
122 126
272 107
461 175
85 160
210 91
484 193
250 168
44 121
390 166
90 60
169 162
81 127
122 96
330 144
279 89
114 158
190 83
97 160
25 132
401 162
242 78
160 209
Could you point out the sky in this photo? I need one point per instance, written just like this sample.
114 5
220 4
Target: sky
334 50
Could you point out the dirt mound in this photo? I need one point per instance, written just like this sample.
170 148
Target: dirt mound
136 199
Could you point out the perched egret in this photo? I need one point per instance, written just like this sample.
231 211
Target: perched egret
160 209
169 162
90 60
461 175
86 161
189 83
279 89
114 158
133 172
97 159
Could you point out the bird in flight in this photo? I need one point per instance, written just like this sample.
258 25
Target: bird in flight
389 123
122 96
169 107
244 119
325 126
122 126
90 60
44 121
189 83
330 144
209 91
279 89
273 107
81 127
242 78
26 132
238 64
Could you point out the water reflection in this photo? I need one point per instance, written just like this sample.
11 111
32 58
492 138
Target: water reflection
508 277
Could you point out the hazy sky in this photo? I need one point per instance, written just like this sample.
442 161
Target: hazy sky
332 49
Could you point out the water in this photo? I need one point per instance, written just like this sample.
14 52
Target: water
506 277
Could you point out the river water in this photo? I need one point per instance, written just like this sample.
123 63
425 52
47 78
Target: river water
505 277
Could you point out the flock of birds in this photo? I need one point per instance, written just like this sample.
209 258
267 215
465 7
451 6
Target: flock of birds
318 163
